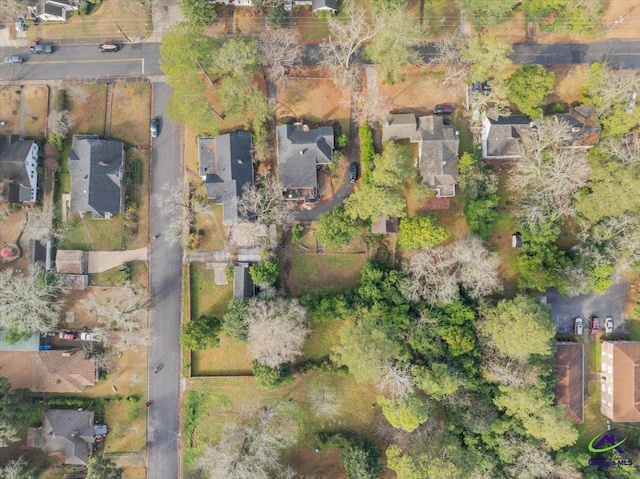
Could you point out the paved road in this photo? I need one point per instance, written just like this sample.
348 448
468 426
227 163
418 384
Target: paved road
165 263
619 53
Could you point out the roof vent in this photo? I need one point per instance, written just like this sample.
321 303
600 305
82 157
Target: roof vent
301 152
305 128
239 161
102 163
575 129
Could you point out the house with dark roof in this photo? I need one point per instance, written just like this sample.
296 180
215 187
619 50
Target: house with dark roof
324 6
225 165
502 138
71 432
620 386
569 390
53 10
18 170
585 129
243 286
301 152
96 168
437 148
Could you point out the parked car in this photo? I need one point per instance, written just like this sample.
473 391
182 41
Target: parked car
41 48
594 324
87 336
608 325
443 109
155 127
45 347
578 326
13 60
476 88
69 336
288 5
109 47
353 172
20 25
486 88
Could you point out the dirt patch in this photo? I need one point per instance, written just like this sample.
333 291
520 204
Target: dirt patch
134 472
133 18
130 112
87 103
316 100
571 81
9 110
423 83
35 110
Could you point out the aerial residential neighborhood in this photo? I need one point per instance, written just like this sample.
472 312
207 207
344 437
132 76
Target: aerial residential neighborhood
331 239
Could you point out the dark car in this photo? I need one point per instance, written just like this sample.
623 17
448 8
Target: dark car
155 127
353 172
109 47
40 48
594 324
476 88
486 88
443 109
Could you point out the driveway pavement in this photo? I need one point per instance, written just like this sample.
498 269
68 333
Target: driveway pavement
100 261
564 309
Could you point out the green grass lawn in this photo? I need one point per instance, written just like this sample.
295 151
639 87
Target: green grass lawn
206 296
96 235
323 337
324 273
231 358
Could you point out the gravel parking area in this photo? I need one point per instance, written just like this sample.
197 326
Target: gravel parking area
565 309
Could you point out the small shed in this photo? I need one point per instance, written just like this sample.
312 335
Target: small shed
385 225
243 286
516 240
71 262
41 253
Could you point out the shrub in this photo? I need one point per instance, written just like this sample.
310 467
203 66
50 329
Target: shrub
57 141
136 172
268 377
367 153
420 232
265 272
296 233
61 100
235 320
201 333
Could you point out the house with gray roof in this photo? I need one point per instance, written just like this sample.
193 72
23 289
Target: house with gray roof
437 148
96 168
502 137
324 6
301 152
71 432
225 165
243 286
18 170
53 10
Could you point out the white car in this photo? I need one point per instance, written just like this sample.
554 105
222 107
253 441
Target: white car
288 5
608 325
578 326
88 337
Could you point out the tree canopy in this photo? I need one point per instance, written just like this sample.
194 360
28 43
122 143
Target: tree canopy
201 333
528 87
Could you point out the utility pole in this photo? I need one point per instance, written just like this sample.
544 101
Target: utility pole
120 30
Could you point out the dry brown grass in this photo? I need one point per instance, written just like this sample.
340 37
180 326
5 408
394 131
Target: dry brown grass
35 110
87 103
214 231
229 359
10 110
134 472
130 112
571 81
190 151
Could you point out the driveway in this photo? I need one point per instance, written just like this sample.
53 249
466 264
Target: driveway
100 261
564 309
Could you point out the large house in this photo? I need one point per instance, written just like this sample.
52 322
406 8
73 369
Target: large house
71 432
569 389
437 148
96 168
53 10
18 170
301 152
225 164
502 138
620 387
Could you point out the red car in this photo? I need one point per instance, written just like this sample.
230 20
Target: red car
594 324
63 335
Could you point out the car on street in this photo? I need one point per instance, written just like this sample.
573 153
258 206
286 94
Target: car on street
353 172
608 325
38 48
445 109
578 326
13 60
88 336
288 5
594 324
109 47
68 336
155 127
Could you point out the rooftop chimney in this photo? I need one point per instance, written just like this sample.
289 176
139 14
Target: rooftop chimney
102 163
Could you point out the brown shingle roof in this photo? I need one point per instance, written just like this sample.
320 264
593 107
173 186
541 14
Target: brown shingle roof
626 385
569 389
48 371
71 262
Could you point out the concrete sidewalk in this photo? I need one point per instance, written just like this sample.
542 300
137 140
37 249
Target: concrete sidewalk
100 261
164 14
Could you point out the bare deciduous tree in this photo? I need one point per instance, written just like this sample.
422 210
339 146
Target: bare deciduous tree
60 122
612 88
264 202
277 329
281 52
625 149
324 400
9 10
456 69
42 226
346 38
120 318
28 302
78 93
370 108
398 381
437 274
14 469
250 449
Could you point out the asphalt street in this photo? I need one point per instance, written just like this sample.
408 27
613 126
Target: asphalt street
165 264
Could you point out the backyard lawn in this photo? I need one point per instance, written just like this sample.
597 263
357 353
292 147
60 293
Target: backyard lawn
97 235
